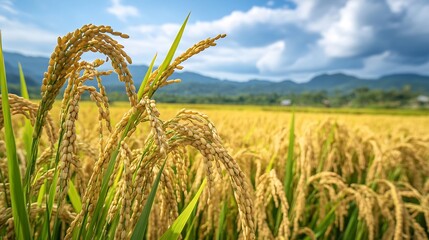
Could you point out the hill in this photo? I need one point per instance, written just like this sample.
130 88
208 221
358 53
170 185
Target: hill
194 84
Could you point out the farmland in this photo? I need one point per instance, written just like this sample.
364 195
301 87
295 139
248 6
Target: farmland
348 144
142 170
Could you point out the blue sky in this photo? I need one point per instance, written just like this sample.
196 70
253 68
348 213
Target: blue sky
271 39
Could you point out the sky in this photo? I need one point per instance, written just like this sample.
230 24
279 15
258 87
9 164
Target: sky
266 39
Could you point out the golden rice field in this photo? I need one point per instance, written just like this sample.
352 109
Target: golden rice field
140 170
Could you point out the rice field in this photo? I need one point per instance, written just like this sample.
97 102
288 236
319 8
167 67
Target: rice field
140 170
353 163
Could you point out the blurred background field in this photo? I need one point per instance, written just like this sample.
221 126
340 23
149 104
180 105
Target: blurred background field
349 150
253 126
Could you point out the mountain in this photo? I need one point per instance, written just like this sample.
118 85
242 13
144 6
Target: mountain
332 81
200 85
33 68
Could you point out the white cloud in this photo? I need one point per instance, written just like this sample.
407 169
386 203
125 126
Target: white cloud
8 7
242 60
271 59
316 36
314 60
416 17
229 24
316 15
121 11
256 16
348 35
398 6
26 38
231 55
384 64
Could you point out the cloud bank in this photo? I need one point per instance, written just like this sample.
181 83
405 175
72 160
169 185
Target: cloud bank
121 11
362 37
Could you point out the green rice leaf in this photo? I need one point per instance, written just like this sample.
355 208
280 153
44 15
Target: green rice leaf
351 228
46 234
177 227
24 91
146 78
271 163
111 233
94 225
28 129
174 46
326 148
170 55
191 226
325 222
288 177
41 194
74 197
222 219
141 226
103 194
19 208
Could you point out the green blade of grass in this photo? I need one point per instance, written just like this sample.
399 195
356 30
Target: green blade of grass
146 78
28 129
111 233
271 163
41 194
24 91
74 197
362 232
191 226
170 55
175 44
177 227
103 194
93 225
325 222
222 219
46 228
19 209
288 177
350 230
140 228
110 196
51 186
326 148
81 230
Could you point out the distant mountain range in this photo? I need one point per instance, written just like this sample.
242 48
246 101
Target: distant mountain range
200 85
